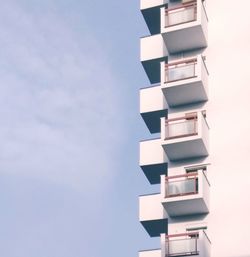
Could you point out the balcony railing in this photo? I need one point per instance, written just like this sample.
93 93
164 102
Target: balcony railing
180 70
181 14
181 127
182 244
186 184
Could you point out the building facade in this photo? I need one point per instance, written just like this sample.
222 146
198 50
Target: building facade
176 105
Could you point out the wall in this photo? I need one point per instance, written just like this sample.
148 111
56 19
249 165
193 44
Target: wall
229 119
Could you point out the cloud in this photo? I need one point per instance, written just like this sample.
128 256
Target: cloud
59 102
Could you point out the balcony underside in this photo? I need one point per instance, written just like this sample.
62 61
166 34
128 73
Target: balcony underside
184 93
185 207
194 38
155 227
186 149
153 172
153 69
152 19
152 120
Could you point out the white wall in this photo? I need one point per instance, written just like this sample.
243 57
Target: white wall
152 99
150 207
151 152
152 47
229 107
144 4
150 253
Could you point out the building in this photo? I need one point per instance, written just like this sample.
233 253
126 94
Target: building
177 105
201 158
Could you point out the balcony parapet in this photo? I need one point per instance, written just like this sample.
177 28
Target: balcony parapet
150 253
185 137
181 127
150 10
181 185
186 21
185 81
152 215
187 244
181 14
186 194
153 106
153 159
152 52
147 4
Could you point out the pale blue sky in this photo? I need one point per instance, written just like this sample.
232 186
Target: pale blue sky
69 129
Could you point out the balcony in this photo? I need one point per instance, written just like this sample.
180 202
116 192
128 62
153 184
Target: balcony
182 185
148 4
153 106
187 194
153 160
185 81
150 253
152 215
150 10
187 244
185 137
152 52
186 21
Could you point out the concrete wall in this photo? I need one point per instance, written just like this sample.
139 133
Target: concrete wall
152 99
151 152
150 207
150 253
228 58
203 18
204 129
152 47
144 4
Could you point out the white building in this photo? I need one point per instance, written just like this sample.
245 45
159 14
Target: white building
186 159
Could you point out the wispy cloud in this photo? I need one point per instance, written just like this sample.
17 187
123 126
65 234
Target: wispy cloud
58 100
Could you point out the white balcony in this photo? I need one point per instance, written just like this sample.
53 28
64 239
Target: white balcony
186 194
186 136
185 81
150 10
152 52
147 4
153 106
194 243
184 26
152 215
153 160
150 253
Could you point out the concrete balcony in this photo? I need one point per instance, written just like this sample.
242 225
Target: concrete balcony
152 52
153 106
184 26
152 215
192 243
186 136
185 81
151 12
150 253
153 160
186 194
148 4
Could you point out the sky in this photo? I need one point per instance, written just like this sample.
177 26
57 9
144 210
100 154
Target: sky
69 128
